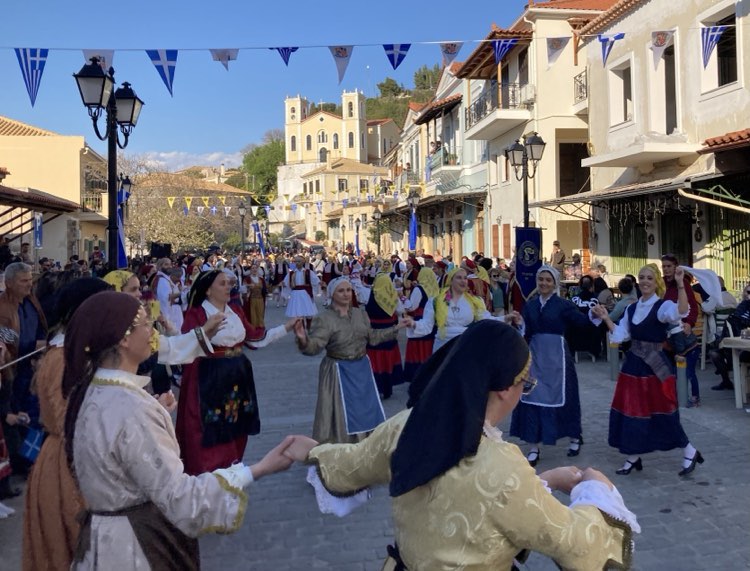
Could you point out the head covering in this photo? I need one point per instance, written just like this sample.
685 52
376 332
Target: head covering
443 300
415 263
118 278
469 264
442 265
446 423
99 323
661 287
385 293
72 295
200 287
428 257
428 281
483 275
333 284
554 273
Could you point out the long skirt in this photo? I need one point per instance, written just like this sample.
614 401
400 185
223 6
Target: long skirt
255 311
301 305
418 350
386 366
534 424
644 416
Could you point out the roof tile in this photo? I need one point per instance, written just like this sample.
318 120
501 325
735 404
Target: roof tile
12 128
727 141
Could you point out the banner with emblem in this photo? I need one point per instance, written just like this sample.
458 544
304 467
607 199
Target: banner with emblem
449 51
659 42
224 56
528 258
200 210
226 210
205 200
341 55
170 201
223 200
555 46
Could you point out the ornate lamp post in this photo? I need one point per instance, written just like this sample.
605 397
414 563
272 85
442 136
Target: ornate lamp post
519 155
123 108
343 237
376 216
242 210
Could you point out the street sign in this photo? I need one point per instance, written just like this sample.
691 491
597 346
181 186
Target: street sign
38 222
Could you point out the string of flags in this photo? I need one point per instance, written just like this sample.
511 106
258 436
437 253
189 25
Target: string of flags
32 60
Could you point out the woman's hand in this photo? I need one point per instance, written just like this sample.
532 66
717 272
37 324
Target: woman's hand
600 312
405 321
299 331
679 275
214 324
591 474
168 401
564 478
274 461
514 318
300 448
292 324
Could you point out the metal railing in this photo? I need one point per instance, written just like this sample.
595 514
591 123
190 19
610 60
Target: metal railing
506 96
444 157
580 87
91 201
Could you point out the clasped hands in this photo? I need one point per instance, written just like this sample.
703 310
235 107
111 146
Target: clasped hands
565 478
294 448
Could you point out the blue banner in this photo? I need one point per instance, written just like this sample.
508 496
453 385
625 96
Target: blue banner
38 223
259 238
528 258
122 258
356 243
413 231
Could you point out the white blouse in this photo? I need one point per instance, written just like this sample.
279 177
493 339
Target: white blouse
233 331
668 312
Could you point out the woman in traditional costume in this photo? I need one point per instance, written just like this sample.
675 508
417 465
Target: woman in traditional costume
348 406
462 497
644 416
554 410
419 348
385 356
124 281
255 303
144 512
452 311
218 407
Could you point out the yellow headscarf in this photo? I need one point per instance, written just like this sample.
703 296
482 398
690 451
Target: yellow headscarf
483 275
385 293
118 278
386 267
426 278
443 300
661 287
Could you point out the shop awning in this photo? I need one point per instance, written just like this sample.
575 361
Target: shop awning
18 205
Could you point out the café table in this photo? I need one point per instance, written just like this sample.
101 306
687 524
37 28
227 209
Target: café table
737 345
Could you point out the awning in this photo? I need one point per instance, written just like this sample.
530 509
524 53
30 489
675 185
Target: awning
456 195
36 200
437 108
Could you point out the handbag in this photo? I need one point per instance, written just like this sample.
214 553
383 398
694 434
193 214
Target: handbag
32 444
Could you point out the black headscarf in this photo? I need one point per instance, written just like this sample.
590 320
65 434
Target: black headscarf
72 295
446 423
200 287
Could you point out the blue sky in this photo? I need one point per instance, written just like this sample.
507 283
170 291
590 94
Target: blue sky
215 113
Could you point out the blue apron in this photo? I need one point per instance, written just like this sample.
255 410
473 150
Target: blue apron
363 410
548 368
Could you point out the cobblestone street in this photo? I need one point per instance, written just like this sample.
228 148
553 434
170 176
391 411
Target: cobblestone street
700 522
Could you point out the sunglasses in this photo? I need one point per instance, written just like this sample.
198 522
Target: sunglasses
528 386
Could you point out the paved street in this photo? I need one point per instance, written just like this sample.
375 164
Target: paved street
696 523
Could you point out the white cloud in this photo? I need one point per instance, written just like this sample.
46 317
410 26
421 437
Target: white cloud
178 160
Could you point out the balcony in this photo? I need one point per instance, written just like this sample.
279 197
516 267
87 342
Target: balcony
643 153
92 201
581 94
497 111
444 158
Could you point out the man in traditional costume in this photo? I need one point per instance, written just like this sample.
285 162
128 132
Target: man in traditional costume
301 281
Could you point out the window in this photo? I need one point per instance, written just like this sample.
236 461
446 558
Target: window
364 185
322 137
323 155
342 185
721 69
351 222
670 89
505 168
293 113
621 93
293 144
317 187
363 219
351 139
350 108
304 188
308 143
362 140
523 67
573 178
385 146
335 140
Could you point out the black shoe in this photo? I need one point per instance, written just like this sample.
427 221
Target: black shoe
697 459
6 492
625 470
533 458
575 451
723 386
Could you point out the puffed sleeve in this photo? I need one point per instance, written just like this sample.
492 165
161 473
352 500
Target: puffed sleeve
580 537
147 449
425 325
348 468
185 348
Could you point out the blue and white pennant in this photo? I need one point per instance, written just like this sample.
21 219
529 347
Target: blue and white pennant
608 41
32 62
285 53
165 62
396 53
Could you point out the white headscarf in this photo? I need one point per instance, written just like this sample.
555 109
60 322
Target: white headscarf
334 283
555 276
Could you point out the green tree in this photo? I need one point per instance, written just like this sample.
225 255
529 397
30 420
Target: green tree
427 77
259 164
320 236
390 88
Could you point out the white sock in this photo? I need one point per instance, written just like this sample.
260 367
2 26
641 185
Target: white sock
575 444
534 450
5 511
629 461
687 455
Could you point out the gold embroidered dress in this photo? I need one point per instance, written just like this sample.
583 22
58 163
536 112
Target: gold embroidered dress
126 454
482 512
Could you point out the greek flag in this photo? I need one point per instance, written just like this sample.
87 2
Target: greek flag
709 38
607 43
267 208
396 53
502 47
259 238
285 53
319 206
165 62
32 62
413 231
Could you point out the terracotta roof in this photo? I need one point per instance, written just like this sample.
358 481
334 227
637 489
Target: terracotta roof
416 106
372 122
455 67
173 182
347 166
726 142
434 108
620 9
598 5
35 200
12 128
481 62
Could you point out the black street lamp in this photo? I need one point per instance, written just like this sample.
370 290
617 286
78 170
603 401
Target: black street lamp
519 155
357 224
242 211
343 237
376 216
123 107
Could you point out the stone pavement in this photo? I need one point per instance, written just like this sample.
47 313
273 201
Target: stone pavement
696 523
